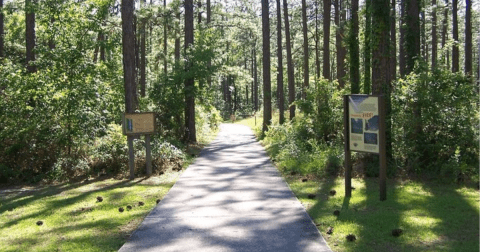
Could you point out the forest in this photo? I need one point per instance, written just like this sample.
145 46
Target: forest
70 68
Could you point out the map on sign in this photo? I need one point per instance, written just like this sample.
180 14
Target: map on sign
364 123
141 123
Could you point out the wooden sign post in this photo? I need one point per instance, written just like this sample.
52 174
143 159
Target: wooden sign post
364 131
140 124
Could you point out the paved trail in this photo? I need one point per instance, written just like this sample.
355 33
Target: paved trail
231 199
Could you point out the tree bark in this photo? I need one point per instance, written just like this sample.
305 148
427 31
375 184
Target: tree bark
317 53
444 31
177 38
468 37
30 35
455 52
267 94
189 83
143 60
393 44
434 34
165 56
367 53
326 39
128 44
402 24
305 50
290 73
255 75
209 63
412 38
1 29
341 51
280 65
354 54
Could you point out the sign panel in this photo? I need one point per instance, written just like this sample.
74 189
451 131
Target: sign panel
364 122
138 123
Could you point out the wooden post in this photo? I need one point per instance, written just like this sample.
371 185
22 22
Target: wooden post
148 155
131 156
346 135
382 149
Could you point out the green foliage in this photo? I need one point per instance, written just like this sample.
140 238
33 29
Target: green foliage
448 142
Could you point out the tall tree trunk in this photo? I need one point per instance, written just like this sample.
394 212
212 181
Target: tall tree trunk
468 37
142 56
402 60
393 43
253 82
412 38
189 83
128 43
367 75
455 52
267 94
177 38
423 39
341 51
280 65
317 53
434 34
209 63
30 35
290 73
165 56
199 11
381 55
326 39
1 29
305 49
255 75
444 32
354 54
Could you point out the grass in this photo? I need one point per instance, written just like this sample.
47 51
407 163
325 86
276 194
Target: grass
433 216
73 219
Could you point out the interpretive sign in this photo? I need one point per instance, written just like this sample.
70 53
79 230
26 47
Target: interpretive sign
364 131
138 123
364 123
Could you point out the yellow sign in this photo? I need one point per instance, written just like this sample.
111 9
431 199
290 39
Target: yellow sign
364 123
138 123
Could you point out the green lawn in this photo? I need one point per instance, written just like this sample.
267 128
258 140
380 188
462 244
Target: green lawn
72 218
433 216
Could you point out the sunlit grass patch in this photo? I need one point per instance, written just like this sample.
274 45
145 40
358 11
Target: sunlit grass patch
432 217
72 217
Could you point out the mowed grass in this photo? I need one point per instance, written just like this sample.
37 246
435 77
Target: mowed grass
433 216
73 219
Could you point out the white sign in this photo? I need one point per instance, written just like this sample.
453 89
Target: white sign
364 123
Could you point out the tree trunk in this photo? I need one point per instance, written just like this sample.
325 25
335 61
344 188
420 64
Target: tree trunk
444 31
317 53
367 75
434 34
290 73
468 38
142 56
255 75
393 45
402 24
209 63
199 11
326 39
128 43
455 52
305 49
165 56
177 38
354 54
412 38
1 29
189 83
280 65
341 51
267 94
30 35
